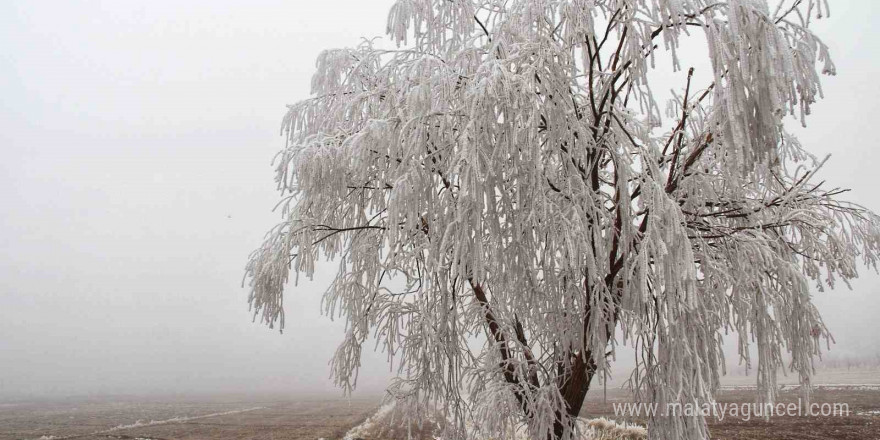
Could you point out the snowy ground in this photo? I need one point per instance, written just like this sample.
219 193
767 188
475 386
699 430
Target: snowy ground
279 418
384 425
292 418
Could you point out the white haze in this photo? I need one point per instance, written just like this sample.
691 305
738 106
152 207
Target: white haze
136 141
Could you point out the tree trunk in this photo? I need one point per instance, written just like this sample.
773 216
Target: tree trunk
574 391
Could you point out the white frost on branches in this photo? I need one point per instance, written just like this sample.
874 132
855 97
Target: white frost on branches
505 210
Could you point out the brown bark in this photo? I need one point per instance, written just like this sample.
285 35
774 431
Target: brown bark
574 390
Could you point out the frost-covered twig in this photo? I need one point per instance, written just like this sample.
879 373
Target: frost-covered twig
507 204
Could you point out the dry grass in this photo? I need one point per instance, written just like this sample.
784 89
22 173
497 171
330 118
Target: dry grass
387 424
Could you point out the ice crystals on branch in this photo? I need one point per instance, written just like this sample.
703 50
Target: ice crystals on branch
506 206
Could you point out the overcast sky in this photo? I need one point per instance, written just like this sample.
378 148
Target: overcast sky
136 142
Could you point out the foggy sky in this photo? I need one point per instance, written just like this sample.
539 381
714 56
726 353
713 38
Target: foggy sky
135 178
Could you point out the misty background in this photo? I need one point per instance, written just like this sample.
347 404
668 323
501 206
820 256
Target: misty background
135 150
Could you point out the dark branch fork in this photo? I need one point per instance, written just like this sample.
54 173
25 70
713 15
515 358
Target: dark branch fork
574 383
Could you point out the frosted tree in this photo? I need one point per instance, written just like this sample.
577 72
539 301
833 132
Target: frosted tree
507 205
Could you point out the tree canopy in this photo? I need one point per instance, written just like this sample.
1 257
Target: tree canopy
507 204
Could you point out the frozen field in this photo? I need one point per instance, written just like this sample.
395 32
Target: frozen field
183 418
291 418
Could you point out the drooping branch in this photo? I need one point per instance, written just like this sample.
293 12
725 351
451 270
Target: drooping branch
516 145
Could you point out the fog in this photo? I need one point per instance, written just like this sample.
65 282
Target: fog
135 178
